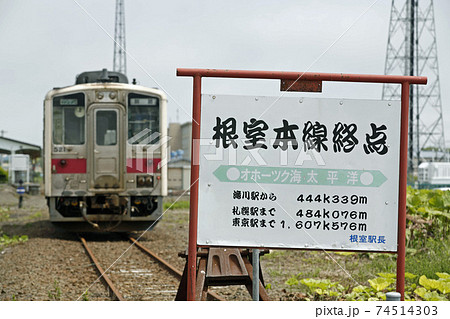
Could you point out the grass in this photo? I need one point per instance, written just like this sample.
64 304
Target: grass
86 296
4 214
182 204
427 261
353 269
34 216
6 241
55 294
274 254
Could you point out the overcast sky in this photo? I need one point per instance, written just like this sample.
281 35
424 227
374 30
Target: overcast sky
45 44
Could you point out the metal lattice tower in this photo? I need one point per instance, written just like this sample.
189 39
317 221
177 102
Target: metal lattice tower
120 59
412 50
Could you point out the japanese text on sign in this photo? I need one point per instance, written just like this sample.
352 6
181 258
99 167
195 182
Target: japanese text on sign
314 136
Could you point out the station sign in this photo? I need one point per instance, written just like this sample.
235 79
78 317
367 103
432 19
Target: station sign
290 172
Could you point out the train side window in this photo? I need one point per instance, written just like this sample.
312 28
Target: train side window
69 119
143 119
106 128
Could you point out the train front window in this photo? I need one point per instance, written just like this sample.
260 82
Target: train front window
69 119
143 119
106 128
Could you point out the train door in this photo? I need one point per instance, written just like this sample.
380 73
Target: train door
107 163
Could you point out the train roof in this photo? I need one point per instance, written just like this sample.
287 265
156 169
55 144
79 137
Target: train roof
98 85
102 79
103 76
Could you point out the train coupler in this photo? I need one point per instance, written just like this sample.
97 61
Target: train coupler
83 208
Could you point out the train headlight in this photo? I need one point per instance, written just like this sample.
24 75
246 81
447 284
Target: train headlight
140 181
149 181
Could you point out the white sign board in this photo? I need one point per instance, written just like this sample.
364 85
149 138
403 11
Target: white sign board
19 162
296 172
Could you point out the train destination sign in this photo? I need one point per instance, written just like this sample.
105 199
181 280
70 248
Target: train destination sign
295 172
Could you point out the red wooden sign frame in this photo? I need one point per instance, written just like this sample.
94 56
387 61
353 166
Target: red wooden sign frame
198 74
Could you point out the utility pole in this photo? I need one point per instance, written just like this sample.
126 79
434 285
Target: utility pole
412 50
120 59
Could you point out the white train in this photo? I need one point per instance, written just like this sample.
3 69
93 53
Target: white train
104 153
434 175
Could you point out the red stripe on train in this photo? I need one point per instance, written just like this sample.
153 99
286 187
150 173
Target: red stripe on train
78 166
142 165
69 166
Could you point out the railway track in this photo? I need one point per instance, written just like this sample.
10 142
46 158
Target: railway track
114 292
147 284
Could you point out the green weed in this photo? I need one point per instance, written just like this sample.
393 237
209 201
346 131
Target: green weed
417 288
176 205
55 294
35 215
4 214
85 296
5 240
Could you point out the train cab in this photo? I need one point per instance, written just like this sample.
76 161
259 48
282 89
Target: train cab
105 149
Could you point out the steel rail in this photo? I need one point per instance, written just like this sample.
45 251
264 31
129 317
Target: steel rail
168 266
112 288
